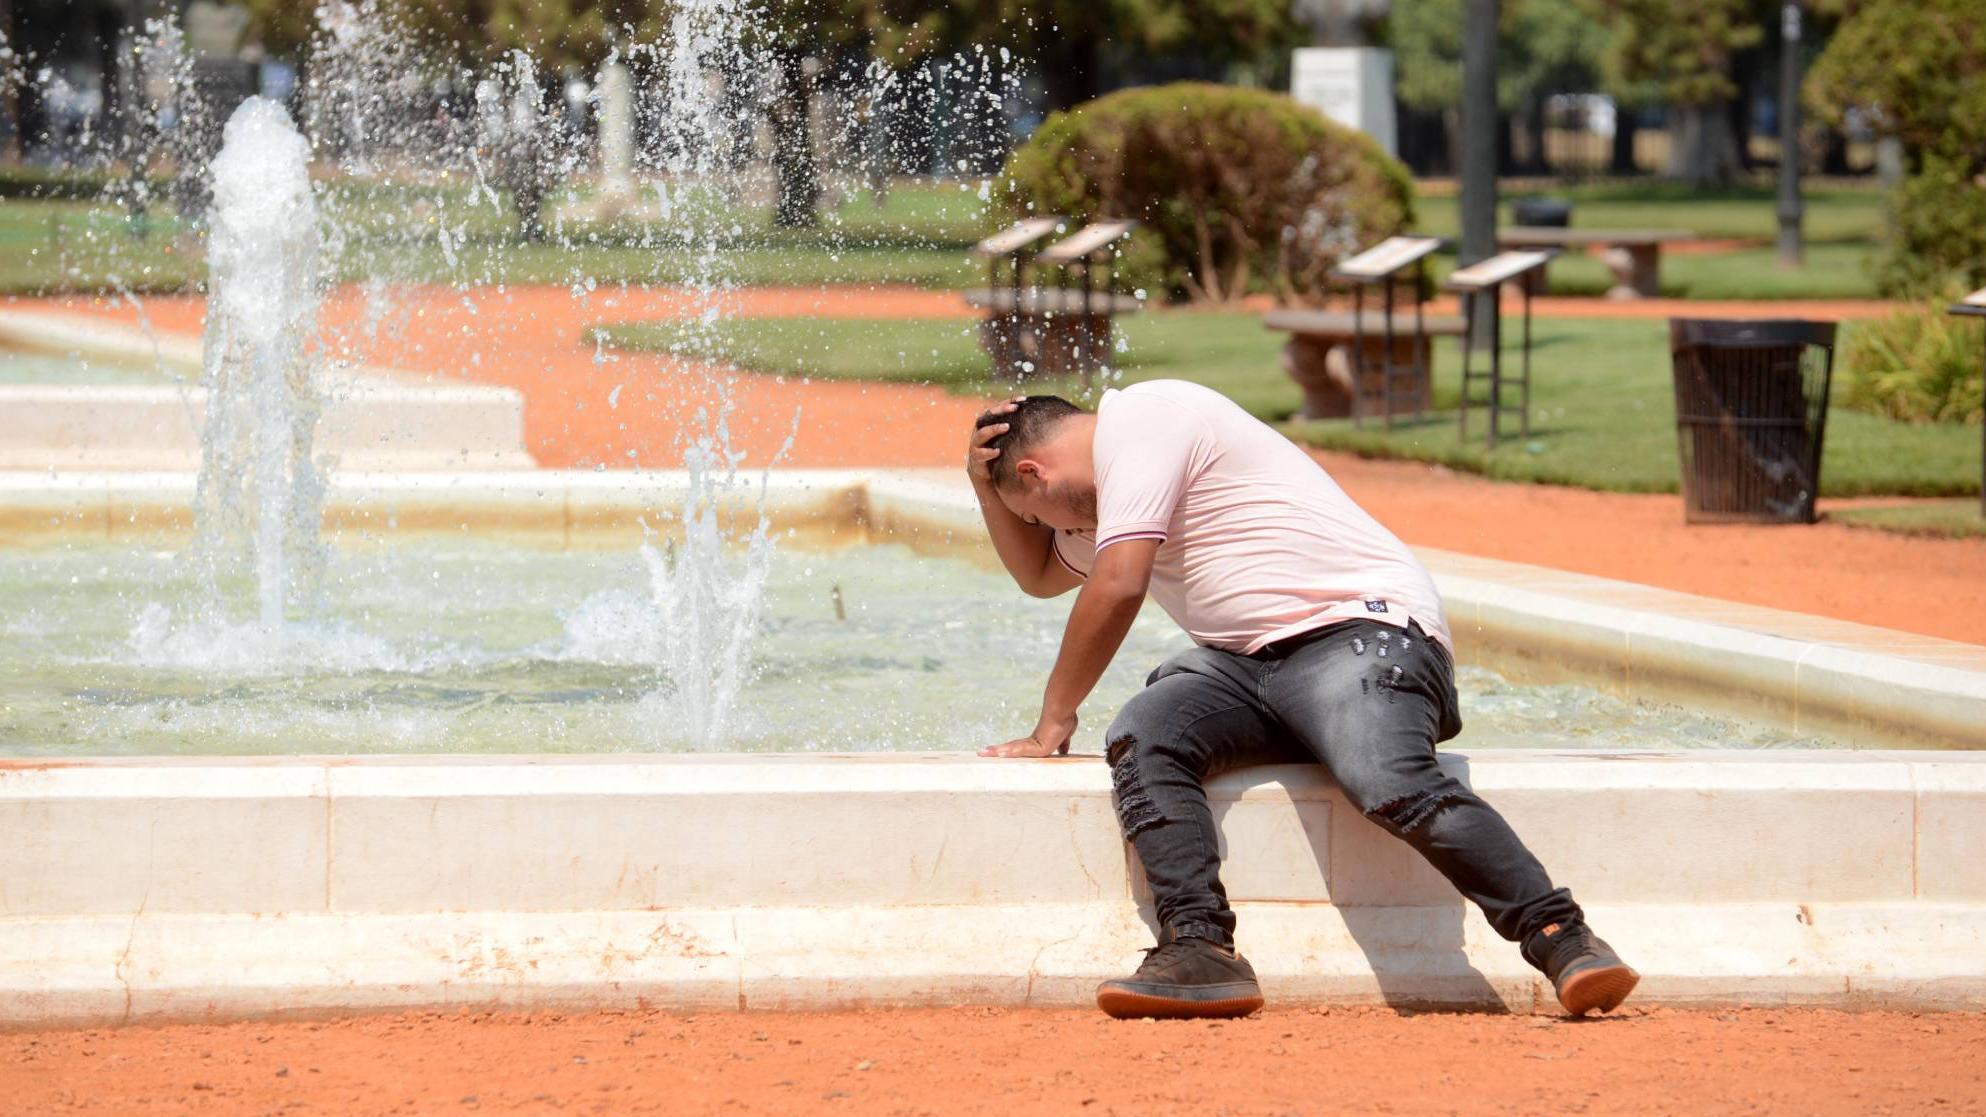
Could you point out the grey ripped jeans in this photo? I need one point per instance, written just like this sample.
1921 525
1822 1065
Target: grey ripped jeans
1368 701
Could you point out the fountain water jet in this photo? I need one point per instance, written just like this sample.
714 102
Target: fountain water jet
259 493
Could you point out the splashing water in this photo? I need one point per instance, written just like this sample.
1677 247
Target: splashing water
259 494
708 594
428 164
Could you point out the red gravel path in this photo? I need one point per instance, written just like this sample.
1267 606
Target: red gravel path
1002 1062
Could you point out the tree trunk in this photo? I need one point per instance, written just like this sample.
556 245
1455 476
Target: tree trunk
1480 131
11 145
1740 113
1537 160
1070 71
1702 148
792 146
1626 124
1834 155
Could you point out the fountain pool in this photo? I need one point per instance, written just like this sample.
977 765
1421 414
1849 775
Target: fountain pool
451 645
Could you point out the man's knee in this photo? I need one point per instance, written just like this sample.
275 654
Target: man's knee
1405 801
1129 750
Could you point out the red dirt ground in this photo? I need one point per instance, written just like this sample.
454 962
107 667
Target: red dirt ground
1002 1061
529 338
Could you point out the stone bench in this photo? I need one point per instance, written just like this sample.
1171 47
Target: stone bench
1633 255
1318 355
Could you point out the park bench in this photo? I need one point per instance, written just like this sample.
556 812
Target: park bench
1032 329
1633 255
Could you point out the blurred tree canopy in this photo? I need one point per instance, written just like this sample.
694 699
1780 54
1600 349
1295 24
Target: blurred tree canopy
1062 40
1065 39
1918 69
1542 45
1685 48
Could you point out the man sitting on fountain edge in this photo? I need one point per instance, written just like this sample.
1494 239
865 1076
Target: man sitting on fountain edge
1318 638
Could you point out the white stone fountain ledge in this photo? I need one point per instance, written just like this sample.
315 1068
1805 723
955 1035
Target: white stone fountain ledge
374 418
159 889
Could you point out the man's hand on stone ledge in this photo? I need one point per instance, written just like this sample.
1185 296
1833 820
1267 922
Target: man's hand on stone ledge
1048 739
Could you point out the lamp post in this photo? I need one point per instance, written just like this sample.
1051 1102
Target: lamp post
1479 152
1790 206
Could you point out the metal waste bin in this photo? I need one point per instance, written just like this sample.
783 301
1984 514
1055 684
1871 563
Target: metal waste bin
1553 213
1751 410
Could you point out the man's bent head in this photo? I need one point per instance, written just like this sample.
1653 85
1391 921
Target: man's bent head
1046 471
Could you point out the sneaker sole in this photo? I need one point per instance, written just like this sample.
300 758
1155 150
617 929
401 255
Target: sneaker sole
1600 989
1131 1004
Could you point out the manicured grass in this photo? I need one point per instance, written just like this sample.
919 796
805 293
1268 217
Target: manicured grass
1830 271
1943 519
445 235
1833 213
1603 409
1841 227
1228 351
63 245
918 236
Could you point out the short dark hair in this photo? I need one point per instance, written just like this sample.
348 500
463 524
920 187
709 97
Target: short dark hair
1029 424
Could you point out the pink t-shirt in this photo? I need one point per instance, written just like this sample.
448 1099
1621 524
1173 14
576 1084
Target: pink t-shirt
1259 542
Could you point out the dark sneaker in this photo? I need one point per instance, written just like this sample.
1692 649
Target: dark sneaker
1585 971
1183 979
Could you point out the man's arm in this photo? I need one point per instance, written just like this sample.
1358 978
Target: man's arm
1025 549
1098 623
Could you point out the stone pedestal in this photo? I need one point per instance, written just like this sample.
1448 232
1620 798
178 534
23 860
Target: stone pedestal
1025 345
1323 368
616 131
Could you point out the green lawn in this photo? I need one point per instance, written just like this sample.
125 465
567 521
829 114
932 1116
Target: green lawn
1604 415
1830 271
1841 227
1941 519
919 236
1833 213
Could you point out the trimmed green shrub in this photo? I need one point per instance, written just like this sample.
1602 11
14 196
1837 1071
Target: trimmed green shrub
1918 364
1918 68
1937 229
1236 189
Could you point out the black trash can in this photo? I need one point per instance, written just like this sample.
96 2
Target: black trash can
1751 410
1554 213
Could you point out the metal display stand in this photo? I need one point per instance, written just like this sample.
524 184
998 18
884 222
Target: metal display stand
1383 263
1011 244
1081 252
1486 278
1974 306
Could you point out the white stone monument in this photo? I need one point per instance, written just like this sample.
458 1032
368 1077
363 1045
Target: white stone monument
616 131
1351 85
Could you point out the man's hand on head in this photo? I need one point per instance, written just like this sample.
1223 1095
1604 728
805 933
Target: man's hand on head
1046 740
978 455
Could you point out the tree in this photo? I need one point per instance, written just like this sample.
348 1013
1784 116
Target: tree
1918 68
1542 46
1065 39
1685 49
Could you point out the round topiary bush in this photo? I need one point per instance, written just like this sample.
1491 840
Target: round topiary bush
1236 189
